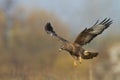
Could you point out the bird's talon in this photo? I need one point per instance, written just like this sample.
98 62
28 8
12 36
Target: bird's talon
75 63
80 60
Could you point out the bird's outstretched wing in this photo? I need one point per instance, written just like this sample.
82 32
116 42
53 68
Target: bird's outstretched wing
49 29
88 34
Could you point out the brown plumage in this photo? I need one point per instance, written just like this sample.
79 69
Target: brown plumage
75 48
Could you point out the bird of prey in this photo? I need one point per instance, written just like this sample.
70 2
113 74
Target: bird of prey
75 48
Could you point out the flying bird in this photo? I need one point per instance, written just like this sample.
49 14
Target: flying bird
75 48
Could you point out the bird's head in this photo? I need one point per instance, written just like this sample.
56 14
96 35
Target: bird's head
64 47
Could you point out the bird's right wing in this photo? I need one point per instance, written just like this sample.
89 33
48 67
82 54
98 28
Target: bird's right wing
88 34
49 30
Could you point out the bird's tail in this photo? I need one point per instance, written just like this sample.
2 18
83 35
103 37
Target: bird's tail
89 55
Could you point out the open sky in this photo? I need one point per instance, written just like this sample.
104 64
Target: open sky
77 13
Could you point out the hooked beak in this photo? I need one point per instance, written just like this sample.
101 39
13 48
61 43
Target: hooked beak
60 49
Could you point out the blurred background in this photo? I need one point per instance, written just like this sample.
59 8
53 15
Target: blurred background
28 53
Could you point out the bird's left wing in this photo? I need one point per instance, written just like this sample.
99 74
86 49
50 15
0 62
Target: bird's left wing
88 34
49 29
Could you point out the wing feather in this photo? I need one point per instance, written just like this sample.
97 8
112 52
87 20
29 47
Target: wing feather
49 29
88 34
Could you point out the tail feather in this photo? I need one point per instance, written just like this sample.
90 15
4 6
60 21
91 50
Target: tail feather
89 55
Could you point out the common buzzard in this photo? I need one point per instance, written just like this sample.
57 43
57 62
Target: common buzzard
75 48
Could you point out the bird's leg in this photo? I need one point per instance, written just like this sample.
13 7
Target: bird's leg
75 61
80 59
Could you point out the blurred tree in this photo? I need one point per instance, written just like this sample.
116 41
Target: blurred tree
29 45
8 5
